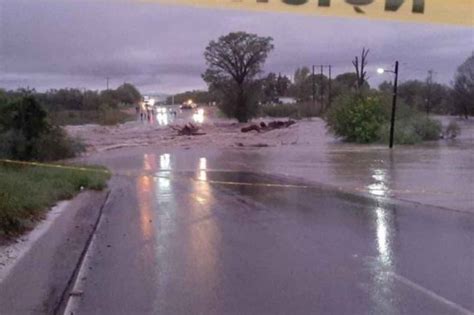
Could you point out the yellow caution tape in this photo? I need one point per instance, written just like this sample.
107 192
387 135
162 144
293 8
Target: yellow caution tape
458 12
67 167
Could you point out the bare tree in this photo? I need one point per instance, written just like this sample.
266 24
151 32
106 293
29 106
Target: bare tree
360 65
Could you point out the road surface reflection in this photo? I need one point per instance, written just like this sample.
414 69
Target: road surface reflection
384 266
177 215
379 187
202 169
209 238
145 196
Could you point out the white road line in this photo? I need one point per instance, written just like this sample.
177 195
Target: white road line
430 293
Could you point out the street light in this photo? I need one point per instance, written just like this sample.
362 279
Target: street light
394 102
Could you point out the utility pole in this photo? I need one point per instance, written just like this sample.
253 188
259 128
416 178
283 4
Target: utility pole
394 105
394 100
314 86
107 83
321 88
330 86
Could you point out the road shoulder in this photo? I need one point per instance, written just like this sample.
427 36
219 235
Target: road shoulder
36 281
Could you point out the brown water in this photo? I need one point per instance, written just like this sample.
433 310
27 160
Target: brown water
439 173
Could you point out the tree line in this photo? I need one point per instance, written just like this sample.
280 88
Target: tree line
234 77
73 99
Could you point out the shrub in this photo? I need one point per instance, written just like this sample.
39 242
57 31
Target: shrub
367 119
412 130
356 119
55 145
26 134
405 133
428 129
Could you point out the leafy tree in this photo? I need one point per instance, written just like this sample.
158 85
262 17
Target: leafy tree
81 99
304 80
348 80
301 88
27 134
283 85
128 94
428 96
463 92
234 61
91 100
435 96
270 88
27 117
274 86
411 92
345 83
301 75
3 98
386 87
25 120
109 98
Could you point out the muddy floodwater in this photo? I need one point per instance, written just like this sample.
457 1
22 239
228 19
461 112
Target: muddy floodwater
261 223
439 173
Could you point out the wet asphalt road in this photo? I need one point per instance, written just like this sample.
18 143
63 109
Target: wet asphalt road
194 238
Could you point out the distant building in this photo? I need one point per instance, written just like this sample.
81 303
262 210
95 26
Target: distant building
286 100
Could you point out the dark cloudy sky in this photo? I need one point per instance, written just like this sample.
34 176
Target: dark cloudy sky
78 43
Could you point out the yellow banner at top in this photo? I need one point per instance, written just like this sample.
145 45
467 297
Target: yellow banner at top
459 12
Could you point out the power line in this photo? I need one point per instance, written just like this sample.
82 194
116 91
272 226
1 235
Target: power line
321 81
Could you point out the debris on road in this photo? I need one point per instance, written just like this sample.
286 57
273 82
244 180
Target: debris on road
277 124
188 130
257 145
251 128
218 132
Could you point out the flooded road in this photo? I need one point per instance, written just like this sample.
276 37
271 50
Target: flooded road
205 231
436 173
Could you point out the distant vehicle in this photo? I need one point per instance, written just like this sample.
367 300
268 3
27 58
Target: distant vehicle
188 105
161 109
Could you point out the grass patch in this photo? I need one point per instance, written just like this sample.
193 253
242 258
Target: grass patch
26 192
